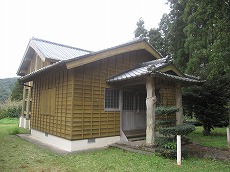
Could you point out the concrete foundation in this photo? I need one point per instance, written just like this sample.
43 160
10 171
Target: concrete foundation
24 123
71 146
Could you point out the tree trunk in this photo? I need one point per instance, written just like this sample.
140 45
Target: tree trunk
150 111
206 131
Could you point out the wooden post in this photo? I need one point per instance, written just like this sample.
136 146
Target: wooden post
150 111
179 114
21 119
178 149
23 100
28 104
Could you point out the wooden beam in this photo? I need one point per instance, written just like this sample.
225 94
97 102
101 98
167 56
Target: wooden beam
150 111
113 52
178 96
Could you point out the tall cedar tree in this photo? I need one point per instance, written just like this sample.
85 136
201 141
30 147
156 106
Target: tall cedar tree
200 32
140 31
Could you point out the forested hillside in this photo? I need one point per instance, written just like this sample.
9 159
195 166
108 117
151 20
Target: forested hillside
6 87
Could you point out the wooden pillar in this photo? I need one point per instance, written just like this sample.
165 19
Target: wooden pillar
179 114
23 101
21 119
28 104
150 111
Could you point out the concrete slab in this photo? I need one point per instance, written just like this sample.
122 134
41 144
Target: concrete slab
135 146
52 148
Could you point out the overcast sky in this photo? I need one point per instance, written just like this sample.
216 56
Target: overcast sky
88 24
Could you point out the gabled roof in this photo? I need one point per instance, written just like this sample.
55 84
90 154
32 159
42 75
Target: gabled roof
154 68
49 51
137 44
133 45
56 51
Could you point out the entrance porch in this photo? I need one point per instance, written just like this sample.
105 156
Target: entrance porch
142 89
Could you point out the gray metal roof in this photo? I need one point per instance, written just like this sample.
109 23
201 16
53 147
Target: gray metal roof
57 51
152 67
174 77
46 48
140 70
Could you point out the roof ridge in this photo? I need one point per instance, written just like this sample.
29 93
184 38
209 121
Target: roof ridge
59 44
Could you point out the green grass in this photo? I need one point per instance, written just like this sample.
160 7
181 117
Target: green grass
218 137
8 121
17 154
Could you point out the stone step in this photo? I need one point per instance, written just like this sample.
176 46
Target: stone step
130 149
136 138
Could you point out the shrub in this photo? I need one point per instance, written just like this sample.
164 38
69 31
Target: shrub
208 103
166 144
184 129
10 109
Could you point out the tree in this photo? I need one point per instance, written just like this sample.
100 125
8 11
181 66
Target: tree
176 33
156 40
140 31
6 87
208 103
17 92
207 37
164 30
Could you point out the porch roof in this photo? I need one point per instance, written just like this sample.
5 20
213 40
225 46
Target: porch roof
153 68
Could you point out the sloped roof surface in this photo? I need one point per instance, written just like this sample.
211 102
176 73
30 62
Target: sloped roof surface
152 67
57 51
140 70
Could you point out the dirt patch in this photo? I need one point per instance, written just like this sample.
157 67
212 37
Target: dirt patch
193 149
197 150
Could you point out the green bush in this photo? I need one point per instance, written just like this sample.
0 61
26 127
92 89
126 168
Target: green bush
166 110
166 144
10 109
183 130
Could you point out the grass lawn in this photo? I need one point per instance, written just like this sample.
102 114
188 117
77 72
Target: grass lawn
218 137
17 154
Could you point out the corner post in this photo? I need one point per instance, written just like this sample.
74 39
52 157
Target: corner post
28 104
178 95
150 111
21 120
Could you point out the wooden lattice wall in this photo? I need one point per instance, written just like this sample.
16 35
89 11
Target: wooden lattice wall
89 118
59 86
78 98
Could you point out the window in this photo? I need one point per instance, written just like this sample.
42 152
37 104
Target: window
128 100
47 105
111 99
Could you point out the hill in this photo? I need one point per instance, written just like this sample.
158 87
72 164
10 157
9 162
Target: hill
6 87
